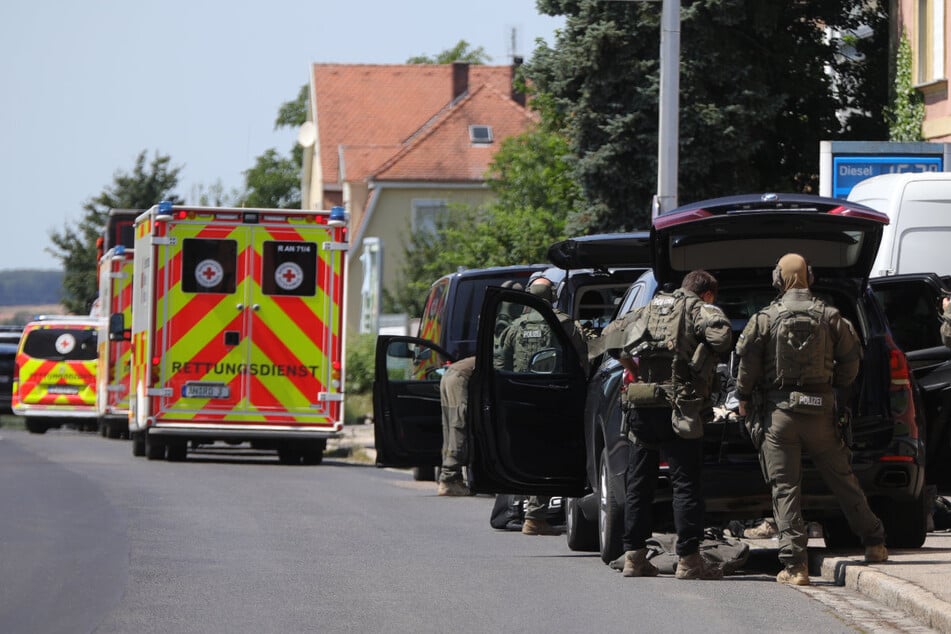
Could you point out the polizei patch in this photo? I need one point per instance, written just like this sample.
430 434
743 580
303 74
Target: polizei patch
809 400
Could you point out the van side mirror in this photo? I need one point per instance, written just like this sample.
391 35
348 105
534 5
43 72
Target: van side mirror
545 361
117 331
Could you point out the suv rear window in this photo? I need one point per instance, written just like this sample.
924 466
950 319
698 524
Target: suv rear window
62 344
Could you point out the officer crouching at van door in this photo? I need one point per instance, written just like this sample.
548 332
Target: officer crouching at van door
795 352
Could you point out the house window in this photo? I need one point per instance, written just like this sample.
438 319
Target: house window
480 134
930 41
427 212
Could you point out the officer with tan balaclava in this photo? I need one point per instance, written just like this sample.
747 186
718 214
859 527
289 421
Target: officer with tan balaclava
795 353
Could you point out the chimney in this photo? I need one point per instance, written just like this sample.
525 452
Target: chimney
517 95
460 79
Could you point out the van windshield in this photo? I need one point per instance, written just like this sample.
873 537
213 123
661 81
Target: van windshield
66 344
464 321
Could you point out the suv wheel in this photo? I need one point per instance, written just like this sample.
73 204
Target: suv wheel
582 533
426 473
838 535
906 522
610 514
35 426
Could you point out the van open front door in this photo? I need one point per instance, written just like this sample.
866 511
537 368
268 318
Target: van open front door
407 416
527 423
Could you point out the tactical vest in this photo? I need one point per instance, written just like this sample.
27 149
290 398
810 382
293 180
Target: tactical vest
531 334
662 342
803 346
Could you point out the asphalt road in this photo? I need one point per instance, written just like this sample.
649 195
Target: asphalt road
95 540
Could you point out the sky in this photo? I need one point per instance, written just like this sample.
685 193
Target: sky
85 87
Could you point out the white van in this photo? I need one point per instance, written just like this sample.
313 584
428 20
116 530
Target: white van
919 206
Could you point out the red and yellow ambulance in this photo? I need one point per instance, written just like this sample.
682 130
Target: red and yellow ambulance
236 330
115 352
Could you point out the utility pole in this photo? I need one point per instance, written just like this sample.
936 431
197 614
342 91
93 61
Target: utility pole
668 127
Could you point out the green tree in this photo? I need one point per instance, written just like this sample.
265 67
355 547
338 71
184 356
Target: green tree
755 98
75 245
461 52
214 195
274 181
534 193
907 112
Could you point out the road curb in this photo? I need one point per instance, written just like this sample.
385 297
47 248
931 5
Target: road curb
887 590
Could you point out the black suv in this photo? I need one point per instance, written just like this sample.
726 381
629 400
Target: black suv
533 433
591 274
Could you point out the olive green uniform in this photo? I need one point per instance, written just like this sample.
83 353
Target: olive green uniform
801 417
454 397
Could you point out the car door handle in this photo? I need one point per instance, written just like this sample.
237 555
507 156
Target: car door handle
549 386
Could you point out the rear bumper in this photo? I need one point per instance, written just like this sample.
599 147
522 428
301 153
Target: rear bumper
44 411
240 432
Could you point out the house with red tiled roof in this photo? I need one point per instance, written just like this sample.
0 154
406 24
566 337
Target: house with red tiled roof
927 24
396 145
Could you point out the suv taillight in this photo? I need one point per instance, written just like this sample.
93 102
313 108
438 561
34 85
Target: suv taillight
627 377
900 395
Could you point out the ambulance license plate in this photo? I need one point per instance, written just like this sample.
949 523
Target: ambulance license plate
206 390
62 389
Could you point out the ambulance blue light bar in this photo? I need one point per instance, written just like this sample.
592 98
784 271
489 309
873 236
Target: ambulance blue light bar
338 217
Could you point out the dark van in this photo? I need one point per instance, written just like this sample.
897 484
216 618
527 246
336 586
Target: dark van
452 306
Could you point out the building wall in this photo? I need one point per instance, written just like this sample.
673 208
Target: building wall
928 24
390 221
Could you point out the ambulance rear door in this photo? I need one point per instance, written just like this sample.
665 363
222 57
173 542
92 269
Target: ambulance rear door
250 321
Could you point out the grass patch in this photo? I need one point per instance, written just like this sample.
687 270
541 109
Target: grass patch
8 421
357 407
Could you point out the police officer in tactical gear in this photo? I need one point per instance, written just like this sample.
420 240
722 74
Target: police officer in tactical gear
527 335
454 397
670 347
795 353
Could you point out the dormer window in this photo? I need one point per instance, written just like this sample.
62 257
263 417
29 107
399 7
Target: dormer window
480 134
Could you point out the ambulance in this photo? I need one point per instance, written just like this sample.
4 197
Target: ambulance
54 377
115 352
236 330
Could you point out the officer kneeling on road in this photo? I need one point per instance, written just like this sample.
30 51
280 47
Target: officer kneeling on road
670 347
793 354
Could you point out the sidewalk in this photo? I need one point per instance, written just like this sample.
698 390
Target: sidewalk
917 582
355 444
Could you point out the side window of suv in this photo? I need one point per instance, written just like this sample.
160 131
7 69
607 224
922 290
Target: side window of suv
912 314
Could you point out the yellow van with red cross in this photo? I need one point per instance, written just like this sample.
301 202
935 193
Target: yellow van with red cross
54 379
236 330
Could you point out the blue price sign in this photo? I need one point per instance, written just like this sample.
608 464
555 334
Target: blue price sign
848 170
